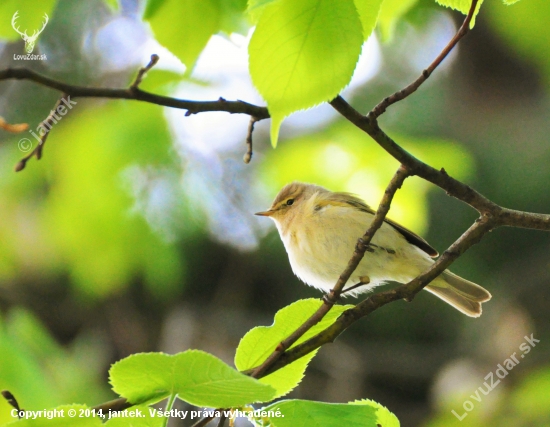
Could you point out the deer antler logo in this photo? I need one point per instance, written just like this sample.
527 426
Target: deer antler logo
30 41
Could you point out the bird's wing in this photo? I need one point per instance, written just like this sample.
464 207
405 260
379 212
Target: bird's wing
412 238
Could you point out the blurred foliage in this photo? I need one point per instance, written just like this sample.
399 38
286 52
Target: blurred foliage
41 371
526 404
524 27
81 221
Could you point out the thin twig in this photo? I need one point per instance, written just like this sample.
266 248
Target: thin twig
47 127
383 208
248 155
13 128
403 93
222 420
10 398
142 71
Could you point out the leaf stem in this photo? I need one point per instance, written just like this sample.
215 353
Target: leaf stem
169 404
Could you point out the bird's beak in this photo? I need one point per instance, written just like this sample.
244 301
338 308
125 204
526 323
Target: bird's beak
265 213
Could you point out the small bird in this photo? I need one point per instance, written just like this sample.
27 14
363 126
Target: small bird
320 228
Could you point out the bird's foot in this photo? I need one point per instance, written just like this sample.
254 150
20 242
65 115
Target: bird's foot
363 280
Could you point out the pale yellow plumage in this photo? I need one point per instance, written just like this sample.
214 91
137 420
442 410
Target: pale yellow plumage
319 229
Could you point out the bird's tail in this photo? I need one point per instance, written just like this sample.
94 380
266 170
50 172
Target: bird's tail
463 295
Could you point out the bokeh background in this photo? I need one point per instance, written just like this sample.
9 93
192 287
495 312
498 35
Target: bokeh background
136 232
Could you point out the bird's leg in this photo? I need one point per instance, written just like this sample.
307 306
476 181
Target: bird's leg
363 280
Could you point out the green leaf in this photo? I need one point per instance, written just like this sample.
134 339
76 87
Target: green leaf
523 28
195 376
152 7
385 417
298 413
462 6
61 418
184 27
233 17
143 420
369 11
256 7
126 247
531 399
303 53
390 12
261 341
31 15
112 4
509 2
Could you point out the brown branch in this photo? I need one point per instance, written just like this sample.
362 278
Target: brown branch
13 128
248 155
403 93
520 219
44 124
415 166
142 71
221 423
136 94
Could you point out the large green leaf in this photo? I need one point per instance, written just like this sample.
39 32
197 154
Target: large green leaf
298 413
256 7
303 53
261 341
184 27
368 12
462 6
195 376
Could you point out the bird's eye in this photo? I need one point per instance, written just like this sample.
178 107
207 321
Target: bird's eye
289 202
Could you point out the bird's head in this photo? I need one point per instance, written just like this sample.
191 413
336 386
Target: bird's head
290 200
